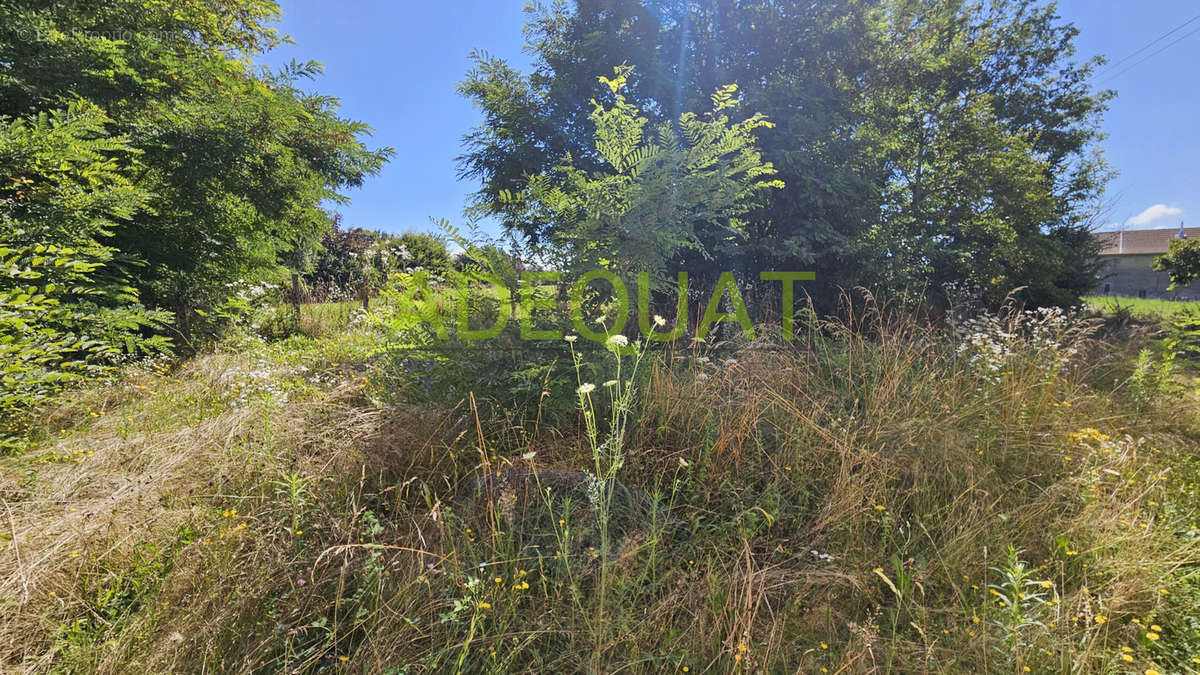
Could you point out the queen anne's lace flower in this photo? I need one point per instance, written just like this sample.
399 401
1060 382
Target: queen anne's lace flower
990 341
617 340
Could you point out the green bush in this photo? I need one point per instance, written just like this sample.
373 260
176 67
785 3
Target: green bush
67 309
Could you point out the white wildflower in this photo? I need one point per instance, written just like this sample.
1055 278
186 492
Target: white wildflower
610 383
586 388
659 321
617 340
571 338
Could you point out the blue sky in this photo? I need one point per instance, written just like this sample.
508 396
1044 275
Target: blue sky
395 65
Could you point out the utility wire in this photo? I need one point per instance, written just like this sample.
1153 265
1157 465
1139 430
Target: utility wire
1108 68
1148 45
1151 55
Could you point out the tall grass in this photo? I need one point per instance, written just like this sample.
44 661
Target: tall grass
882 495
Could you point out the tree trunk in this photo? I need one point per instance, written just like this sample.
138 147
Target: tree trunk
296 295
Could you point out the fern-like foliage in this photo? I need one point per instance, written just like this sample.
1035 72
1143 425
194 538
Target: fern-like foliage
67 309
683 185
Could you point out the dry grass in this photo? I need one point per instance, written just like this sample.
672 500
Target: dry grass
849 501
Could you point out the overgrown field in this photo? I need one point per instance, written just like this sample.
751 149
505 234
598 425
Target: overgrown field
1017 495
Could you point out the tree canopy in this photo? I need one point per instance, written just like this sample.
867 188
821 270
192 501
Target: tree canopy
1181 262
236 161
684 185
149 165
920 142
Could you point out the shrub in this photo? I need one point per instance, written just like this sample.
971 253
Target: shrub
67 310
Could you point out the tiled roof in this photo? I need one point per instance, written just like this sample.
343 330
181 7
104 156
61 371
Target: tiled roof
1132 242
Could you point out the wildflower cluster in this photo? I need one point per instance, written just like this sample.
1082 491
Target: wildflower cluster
255 383
992 342
76 456
249 292
1087 435
231 524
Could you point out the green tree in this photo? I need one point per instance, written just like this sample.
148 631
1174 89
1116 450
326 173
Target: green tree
920 141
236 161
985 129
356 262
656 191
67 307
1181 261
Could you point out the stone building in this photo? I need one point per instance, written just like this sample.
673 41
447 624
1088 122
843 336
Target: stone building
1127 256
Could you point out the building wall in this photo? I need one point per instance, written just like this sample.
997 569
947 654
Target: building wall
1131 275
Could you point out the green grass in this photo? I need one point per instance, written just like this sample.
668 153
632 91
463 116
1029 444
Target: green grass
1142 308
324 318
851 505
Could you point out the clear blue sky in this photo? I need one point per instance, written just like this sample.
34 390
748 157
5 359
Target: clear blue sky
395 65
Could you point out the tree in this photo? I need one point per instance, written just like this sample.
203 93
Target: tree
785 58
920 141
148 163
1181 261
985 130
655 191
337 268
357 262
236 161
67 308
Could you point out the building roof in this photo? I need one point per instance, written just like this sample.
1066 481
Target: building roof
1135 242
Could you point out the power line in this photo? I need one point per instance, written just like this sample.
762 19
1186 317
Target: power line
1151 55
1148 45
